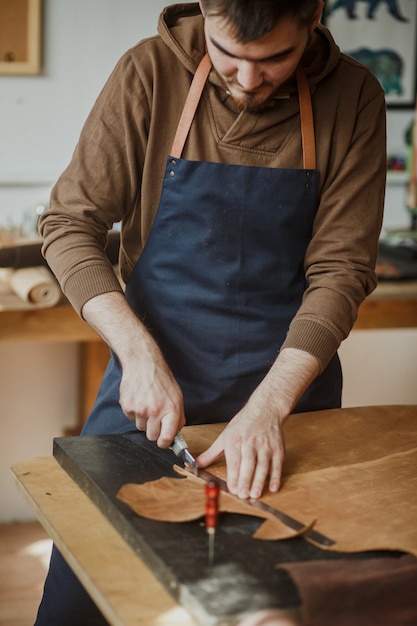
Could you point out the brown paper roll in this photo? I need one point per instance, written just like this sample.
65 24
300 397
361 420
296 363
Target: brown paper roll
36 286
5 276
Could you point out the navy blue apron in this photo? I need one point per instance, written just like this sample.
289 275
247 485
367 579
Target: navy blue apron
221 277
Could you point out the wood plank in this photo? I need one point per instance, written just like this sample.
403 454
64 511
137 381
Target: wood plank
178 553
249 569
57 324
125 589
384 314
393 304
395 290
94 357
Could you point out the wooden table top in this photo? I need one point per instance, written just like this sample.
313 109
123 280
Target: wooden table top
124 588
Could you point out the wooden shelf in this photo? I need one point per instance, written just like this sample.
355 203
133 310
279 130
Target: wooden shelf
392 305
57 324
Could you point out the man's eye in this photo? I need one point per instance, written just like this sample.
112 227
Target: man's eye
277 60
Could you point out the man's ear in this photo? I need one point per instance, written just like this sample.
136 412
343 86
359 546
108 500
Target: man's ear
317 15
202 9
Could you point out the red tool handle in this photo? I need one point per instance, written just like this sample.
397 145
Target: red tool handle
212 505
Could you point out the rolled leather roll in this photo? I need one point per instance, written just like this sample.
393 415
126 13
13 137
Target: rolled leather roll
36 286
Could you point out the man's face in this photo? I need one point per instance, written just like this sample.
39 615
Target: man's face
254 71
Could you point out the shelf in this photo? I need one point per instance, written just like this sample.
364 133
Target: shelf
397 179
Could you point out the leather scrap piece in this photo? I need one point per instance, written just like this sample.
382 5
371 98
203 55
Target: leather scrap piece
360 592
183 500
353 471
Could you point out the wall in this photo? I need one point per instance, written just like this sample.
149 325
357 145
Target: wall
39 126
379 366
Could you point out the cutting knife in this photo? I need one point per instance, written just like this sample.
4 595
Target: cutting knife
180 448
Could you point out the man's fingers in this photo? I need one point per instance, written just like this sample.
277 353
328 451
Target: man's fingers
233 454
248 468
169 425
211 454
248 465
276 471
140 422
259 476
153 429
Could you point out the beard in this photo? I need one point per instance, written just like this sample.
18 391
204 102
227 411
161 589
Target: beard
251 102
248 102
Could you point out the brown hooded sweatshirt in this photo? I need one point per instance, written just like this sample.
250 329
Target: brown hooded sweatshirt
117 168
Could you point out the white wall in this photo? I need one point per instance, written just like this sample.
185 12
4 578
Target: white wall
379 367
39 397
39 126
42 115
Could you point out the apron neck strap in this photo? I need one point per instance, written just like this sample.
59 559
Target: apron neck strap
307 120
190 107
194 95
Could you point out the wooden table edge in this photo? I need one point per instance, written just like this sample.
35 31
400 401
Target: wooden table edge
123 586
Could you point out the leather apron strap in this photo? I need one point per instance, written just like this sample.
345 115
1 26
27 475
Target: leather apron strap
190 107
307 121
194 95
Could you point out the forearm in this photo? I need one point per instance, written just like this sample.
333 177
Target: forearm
149 394
112 318
253 442
289 377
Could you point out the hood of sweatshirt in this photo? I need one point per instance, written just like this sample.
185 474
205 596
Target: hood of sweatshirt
181 27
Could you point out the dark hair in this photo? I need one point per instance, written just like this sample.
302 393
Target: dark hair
252 19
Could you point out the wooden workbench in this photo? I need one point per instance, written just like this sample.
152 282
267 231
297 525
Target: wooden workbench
129 594
392 305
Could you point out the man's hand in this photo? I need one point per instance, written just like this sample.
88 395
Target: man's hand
253 449
253 442
151 397
149 393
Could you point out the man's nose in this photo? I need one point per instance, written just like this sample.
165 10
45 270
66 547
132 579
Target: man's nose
249 75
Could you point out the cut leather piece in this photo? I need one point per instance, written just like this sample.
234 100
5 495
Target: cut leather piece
322 439
366 506
352 470
184 500
339 437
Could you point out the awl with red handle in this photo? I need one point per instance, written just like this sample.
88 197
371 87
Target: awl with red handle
212 489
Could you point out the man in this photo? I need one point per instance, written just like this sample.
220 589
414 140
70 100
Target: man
246 252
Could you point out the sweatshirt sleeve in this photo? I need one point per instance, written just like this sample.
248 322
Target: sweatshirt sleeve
340 260
100 185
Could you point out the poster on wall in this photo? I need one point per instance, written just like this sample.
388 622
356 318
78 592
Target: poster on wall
381 34
20 36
